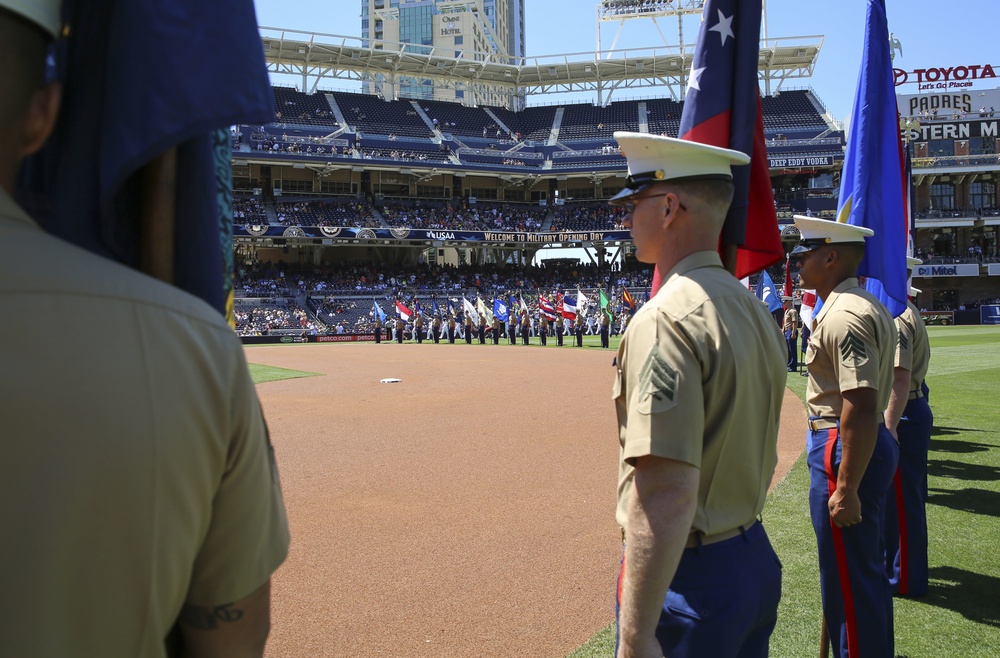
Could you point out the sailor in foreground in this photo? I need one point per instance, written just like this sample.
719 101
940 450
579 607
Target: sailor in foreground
852 455
698 434
910 419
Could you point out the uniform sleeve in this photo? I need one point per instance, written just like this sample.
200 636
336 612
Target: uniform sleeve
666 412
856 356
905 335
248 535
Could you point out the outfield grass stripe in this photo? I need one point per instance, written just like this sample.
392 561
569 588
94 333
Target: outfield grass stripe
262 374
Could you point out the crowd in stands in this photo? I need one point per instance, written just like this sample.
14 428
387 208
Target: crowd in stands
388 282
588 216
456 215
325 213
260 320
369 153
249 210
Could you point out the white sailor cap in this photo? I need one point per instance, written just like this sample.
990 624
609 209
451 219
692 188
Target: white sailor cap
915 291
43 13
654 159
817 232
912 262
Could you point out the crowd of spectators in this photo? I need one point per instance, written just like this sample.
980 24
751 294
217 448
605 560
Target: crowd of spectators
325 213
335 282
457 215
247 210
370 153
259 320
587 216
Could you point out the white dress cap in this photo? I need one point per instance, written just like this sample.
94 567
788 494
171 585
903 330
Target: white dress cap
654 158
816 232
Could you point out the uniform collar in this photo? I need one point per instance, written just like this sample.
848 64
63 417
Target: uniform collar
692 262
846 284
10 210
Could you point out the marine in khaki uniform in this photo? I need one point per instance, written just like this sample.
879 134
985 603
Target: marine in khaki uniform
497 328
418 328
910 418
378 330
436 329
451 329
605 327
138 491
698 435
851 454
790 327
525 327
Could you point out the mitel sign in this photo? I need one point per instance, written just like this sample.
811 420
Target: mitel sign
967 269
952 77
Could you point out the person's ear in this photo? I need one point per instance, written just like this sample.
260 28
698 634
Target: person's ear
43 110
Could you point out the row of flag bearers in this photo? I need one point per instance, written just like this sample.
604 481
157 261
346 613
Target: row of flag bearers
507 315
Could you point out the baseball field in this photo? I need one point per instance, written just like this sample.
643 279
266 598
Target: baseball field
468 510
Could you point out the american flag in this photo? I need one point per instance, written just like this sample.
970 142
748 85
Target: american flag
545 308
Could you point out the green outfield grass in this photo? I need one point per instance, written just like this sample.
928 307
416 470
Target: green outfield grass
960 616
262 374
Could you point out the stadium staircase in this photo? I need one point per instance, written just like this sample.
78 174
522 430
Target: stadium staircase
335 108
823 113
643 122
271 212
556 124
377 215
503 126
427 119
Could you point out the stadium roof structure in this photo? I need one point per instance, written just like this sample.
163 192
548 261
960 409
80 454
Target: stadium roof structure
315 57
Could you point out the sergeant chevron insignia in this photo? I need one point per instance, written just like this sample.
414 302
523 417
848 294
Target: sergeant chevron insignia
657 379
853 349
903 341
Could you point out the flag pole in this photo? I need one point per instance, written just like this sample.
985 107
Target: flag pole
158 182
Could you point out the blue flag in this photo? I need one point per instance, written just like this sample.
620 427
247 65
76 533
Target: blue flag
417 310
129 94
871 189
378 311
434 307
766 292
451 308
500 310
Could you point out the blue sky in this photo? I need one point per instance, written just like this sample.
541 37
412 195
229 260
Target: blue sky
933 34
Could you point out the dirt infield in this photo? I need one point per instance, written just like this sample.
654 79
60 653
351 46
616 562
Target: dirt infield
466 511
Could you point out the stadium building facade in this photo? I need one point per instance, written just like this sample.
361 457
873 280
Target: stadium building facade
464 29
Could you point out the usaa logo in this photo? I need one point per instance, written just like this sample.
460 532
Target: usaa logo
439 235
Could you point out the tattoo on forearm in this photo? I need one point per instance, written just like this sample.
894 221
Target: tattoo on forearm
206 619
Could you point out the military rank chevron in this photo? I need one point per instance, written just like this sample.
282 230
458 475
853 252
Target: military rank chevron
657 379
903 342
853 349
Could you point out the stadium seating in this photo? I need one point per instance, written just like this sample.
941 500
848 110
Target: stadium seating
292 106
587 216
342 213
370 114
581 121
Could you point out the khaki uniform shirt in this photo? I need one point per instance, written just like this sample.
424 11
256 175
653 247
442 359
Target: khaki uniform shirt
913 350
137 474
852 346
791 321
701 376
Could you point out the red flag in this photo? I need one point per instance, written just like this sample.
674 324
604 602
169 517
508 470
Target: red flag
788 278
723 108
